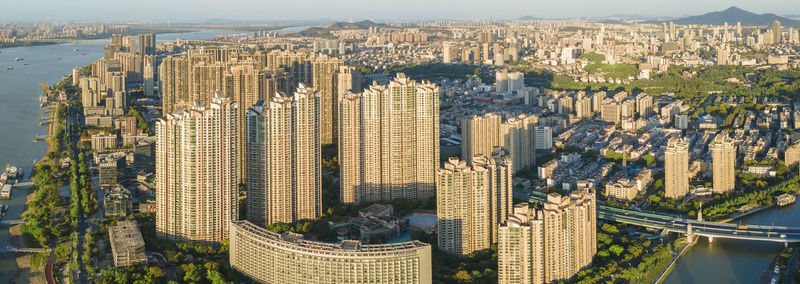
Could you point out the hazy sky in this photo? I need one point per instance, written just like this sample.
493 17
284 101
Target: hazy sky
384 10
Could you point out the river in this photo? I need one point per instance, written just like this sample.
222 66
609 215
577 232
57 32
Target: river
734 261
20 112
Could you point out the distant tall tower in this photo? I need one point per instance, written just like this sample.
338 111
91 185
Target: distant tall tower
480 134
196 181
644 105
129 43
672 32
722 55
446 53
325 77
472 201
776 32
676 168
739 28
348 80
389 142
148 80
610 111
583 108
723 155
147 44
76 76
284 159
519 135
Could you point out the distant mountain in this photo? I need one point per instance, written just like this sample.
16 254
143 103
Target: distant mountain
326 32
529 18
352 26
733 15
636 17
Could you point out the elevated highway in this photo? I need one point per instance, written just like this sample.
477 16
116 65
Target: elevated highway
676 224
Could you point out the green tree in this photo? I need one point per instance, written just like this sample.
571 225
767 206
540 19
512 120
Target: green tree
215 277
616 249
156 272
610 229
192 273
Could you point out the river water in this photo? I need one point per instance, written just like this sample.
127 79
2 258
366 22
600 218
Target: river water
20 112
734 261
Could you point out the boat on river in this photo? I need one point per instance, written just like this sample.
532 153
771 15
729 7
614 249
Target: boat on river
785 199
11 174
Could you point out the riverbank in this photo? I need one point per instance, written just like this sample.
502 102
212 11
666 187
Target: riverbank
26 272
667 270
26 43
736 216
131 32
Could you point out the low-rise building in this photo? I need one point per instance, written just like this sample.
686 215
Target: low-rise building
127 244
622 189
761 170
109 168
102 142
117 203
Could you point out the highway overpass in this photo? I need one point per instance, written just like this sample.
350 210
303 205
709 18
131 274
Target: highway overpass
676 224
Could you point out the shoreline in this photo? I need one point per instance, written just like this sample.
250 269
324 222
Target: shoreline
735 217
25 272
671 266
35 42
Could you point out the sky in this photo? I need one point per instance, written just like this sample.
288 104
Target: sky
378 10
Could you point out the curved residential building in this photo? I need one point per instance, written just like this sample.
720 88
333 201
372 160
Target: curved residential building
268 257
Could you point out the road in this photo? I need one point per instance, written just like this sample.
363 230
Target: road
74 123
48 269
677 224
793 266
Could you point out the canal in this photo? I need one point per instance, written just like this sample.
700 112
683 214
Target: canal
734 261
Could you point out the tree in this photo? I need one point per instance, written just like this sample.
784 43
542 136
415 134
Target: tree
658 184
463 276
649 159
215 277
155 272
611 229
192 273
616 249
603 239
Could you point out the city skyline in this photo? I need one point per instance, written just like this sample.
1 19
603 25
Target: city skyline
316 10
474 150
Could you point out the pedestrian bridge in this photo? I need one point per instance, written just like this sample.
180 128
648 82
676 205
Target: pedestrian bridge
676 224
11 222
8 249
23 184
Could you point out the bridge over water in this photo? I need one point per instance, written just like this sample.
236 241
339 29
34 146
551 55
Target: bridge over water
11 222
676 224
15 249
